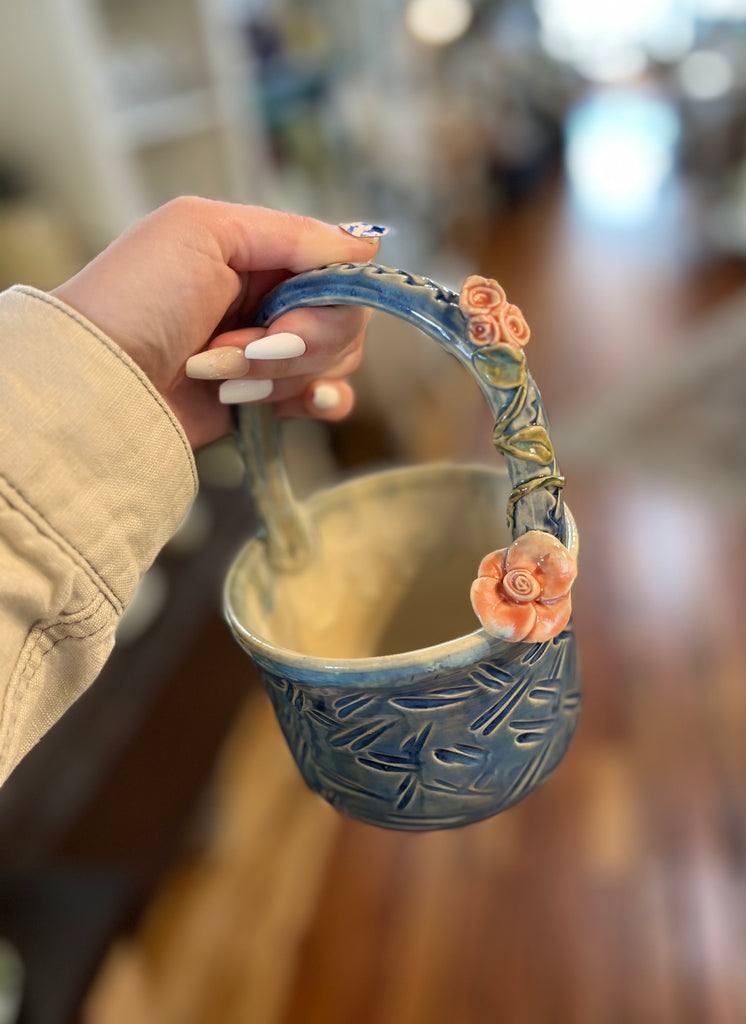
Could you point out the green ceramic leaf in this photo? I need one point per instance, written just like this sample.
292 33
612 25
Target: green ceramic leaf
502 365
529 443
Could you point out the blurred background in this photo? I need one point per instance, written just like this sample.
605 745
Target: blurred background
160 858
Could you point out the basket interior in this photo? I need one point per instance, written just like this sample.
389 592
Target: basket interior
394 558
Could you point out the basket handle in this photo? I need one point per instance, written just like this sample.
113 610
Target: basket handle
480 329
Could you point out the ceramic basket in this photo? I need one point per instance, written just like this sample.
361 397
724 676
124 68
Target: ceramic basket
398 708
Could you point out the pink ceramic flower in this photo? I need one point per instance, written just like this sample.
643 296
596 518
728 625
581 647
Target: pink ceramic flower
490 316
523 592
484 329
480 295
513 326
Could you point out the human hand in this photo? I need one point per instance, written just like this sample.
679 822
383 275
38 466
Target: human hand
187 277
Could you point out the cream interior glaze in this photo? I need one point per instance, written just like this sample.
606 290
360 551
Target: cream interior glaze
393 560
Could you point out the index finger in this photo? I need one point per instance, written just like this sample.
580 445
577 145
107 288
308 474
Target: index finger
256 238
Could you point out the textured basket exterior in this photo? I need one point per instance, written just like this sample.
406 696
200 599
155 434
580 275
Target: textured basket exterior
435 749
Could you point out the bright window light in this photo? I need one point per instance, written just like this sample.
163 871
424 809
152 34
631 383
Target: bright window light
607 39
613 66
438 22
706 75
620 150
720 10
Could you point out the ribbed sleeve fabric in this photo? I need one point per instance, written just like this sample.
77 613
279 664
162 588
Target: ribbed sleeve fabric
96 475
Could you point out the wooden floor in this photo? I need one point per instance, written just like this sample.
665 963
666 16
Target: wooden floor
614 895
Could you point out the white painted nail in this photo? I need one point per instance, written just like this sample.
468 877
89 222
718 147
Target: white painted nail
276 346
325 397
217 363
237 391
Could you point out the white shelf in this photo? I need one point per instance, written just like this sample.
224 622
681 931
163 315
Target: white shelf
115 106
167 118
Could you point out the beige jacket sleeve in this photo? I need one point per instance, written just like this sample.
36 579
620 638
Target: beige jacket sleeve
95 476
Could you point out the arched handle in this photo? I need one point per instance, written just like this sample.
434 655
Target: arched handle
486 333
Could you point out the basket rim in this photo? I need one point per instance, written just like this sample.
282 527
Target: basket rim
469 649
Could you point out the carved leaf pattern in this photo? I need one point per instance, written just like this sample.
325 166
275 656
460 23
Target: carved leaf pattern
501 365
436 699
529 443
485 740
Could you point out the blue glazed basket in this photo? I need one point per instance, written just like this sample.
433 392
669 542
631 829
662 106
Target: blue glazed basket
355 607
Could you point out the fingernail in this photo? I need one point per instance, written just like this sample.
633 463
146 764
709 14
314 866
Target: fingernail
237 391
276 346
361 229
217 363
325 397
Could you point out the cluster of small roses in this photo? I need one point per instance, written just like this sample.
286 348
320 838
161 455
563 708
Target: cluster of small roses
491 317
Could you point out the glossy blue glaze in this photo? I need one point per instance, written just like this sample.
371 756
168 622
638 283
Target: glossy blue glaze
431 748
450 734
435 311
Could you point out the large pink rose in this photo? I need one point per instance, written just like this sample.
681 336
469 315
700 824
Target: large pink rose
513 327
480 295
523 592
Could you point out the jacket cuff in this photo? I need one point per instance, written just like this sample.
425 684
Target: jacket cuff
87 441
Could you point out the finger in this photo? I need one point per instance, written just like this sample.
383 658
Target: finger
329 400
255 238
306 341
230 363
225 357
266 389
342 364
325 330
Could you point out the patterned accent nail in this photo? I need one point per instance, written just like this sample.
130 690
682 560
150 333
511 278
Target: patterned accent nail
276 346
361 229
238 391
217 364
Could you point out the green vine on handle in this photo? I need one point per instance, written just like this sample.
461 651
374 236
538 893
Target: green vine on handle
500 330
522 592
